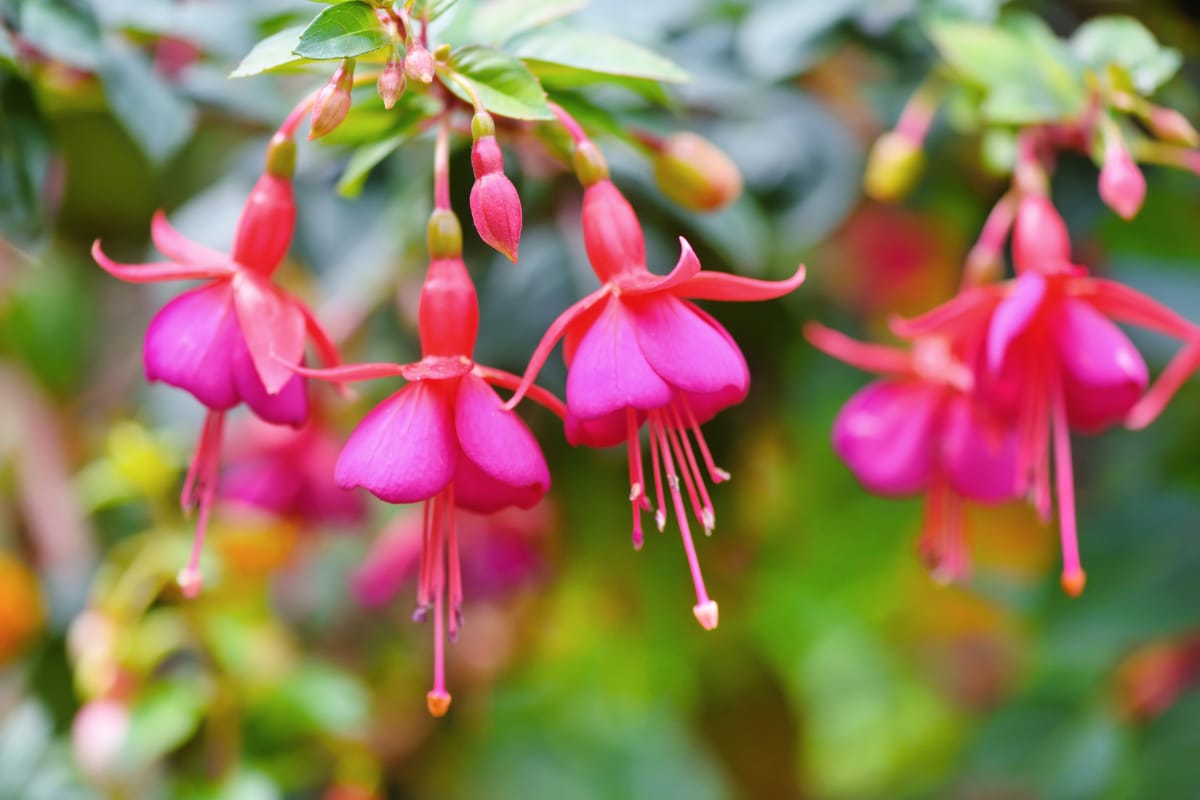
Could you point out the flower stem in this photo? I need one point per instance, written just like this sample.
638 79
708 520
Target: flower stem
441 168
568 122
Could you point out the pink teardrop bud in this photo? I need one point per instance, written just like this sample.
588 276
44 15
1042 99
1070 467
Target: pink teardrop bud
694 173
893 167
495 204
391 83
1122 185
1040 239
333 101
1170 125
419 65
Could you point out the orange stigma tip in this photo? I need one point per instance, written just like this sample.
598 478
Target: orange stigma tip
438 702
1073 583
190 582
706 613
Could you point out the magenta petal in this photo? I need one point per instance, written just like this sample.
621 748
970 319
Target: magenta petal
979 456
887 435
190 344
686 268
609 371
607 431
475 490
497 441
273 326
404 450
688 351
288 406
177 247
392 559
1013 316
1103 374
267 483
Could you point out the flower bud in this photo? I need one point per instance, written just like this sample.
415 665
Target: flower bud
495 204
893 166
419 65
1122 185
444 234
590 166
391 83
695 174
1040 241
1170 125
333 101
612 234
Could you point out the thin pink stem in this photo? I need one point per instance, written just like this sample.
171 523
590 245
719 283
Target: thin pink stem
1169 382
702 598
456 588
287 129
568 122
206 464
660 510
637 490
441 167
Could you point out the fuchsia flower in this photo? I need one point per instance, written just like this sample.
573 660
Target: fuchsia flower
445 439
1052 360
639 352
288 472
919 429
233 339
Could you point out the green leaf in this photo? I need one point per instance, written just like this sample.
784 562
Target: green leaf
163 718
157 119
432 9
1125 43
25 152
500 21
505 86
277 50
982 54
63 30
8 54
596 53
342 31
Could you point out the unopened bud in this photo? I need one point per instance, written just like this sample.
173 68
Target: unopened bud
589 163
390 84
444 234
1122 185
333 101
694 173
893 166
495 204
1040 241
418 64
1169 125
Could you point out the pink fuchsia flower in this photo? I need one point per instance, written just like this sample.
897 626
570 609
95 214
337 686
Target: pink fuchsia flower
1122 184
639 352
495 205
288 472
499 553
235 338
445 439
1053 359
920 430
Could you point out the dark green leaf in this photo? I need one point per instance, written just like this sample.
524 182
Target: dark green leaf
596 53
342 31
158 120
277 50
64 30
500 21
1125 43
505 86
24 161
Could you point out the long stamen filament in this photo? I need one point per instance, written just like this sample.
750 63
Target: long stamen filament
717 474
708 516
1073 577
201 488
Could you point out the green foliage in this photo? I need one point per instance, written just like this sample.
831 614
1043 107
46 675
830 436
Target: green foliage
344 30
503 84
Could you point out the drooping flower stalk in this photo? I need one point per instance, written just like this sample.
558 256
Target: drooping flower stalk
639 352
234 338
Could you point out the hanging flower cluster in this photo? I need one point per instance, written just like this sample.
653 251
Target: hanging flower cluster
999 377
646 366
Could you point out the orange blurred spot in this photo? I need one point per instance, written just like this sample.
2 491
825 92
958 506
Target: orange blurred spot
21 613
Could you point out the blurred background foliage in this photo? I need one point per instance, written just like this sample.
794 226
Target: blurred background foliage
840 670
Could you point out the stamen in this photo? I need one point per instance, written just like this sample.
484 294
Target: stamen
708 517
456 591
705 609
201 488
1041 464
1073 576
717 474
931 547
660 511
956 564
636 492
693 496
424 571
